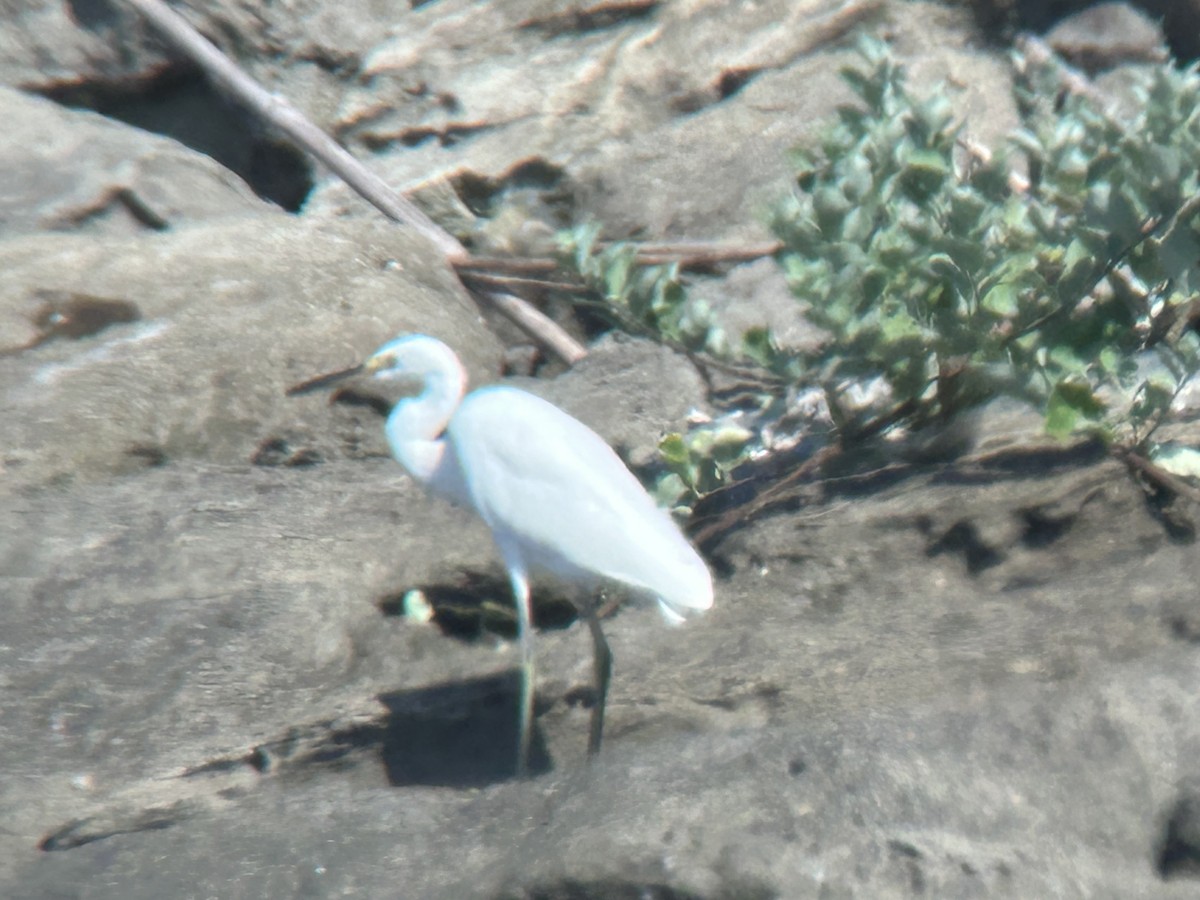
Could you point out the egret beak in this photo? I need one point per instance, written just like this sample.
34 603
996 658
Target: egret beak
322 382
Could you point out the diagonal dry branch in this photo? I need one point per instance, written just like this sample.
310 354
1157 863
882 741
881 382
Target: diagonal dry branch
228 77
272 108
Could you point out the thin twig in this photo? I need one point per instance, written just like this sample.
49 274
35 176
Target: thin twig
1185 214
691 255
708 533
1159 474
516 265
534 322
750 375
227 76
509 282
688 255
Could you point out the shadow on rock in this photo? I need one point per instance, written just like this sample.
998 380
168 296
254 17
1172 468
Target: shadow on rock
458 734
471 604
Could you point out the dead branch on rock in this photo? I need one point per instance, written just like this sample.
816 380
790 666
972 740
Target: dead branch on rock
686 254
700 254
228 77
511 282
277 111
1158 475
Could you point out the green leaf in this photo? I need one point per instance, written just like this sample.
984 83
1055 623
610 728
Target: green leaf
758 345
1061 416
924 172
856 79
1001 299
1079 272
1109 360
1153 398
670 491
616 274
1064 358
896 325
729 443
1069 401
1077 253
674 451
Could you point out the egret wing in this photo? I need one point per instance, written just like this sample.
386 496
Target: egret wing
555 493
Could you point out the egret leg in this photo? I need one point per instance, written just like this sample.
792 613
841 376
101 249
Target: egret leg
602 672
520 588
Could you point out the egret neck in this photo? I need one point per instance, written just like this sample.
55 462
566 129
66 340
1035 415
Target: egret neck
415 426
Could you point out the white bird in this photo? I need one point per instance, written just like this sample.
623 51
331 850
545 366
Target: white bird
556 497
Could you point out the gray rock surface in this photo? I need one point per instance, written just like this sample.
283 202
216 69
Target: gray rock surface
226 316
655 124
93 175
969 679
1107 34
908 692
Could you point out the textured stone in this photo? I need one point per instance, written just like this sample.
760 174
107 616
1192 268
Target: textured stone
969 679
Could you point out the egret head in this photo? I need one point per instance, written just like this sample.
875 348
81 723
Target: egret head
417 358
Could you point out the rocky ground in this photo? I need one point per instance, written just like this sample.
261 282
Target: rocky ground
968 679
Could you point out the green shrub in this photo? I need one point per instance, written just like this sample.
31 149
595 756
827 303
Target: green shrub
647 300
1063 269
927 267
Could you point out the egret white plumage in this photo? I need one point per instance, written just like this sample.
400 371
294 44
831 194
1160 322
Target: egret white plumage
556 497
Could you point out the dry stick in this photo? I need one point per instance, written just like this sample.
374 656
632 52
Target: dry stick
689 255
520 281
513 265
1158 474
274 109
537 324
694 256
701 253
226 75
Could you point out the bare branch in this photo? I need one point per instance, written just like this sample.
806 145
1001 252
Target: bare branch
510 282
280 113
689 255
274 109
692 254
1159 475
533 321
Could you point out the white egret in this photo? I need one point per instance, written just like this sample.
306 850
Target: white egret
556 497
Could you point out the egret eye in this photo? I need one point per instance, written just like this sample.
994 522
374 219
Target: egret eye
380 362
